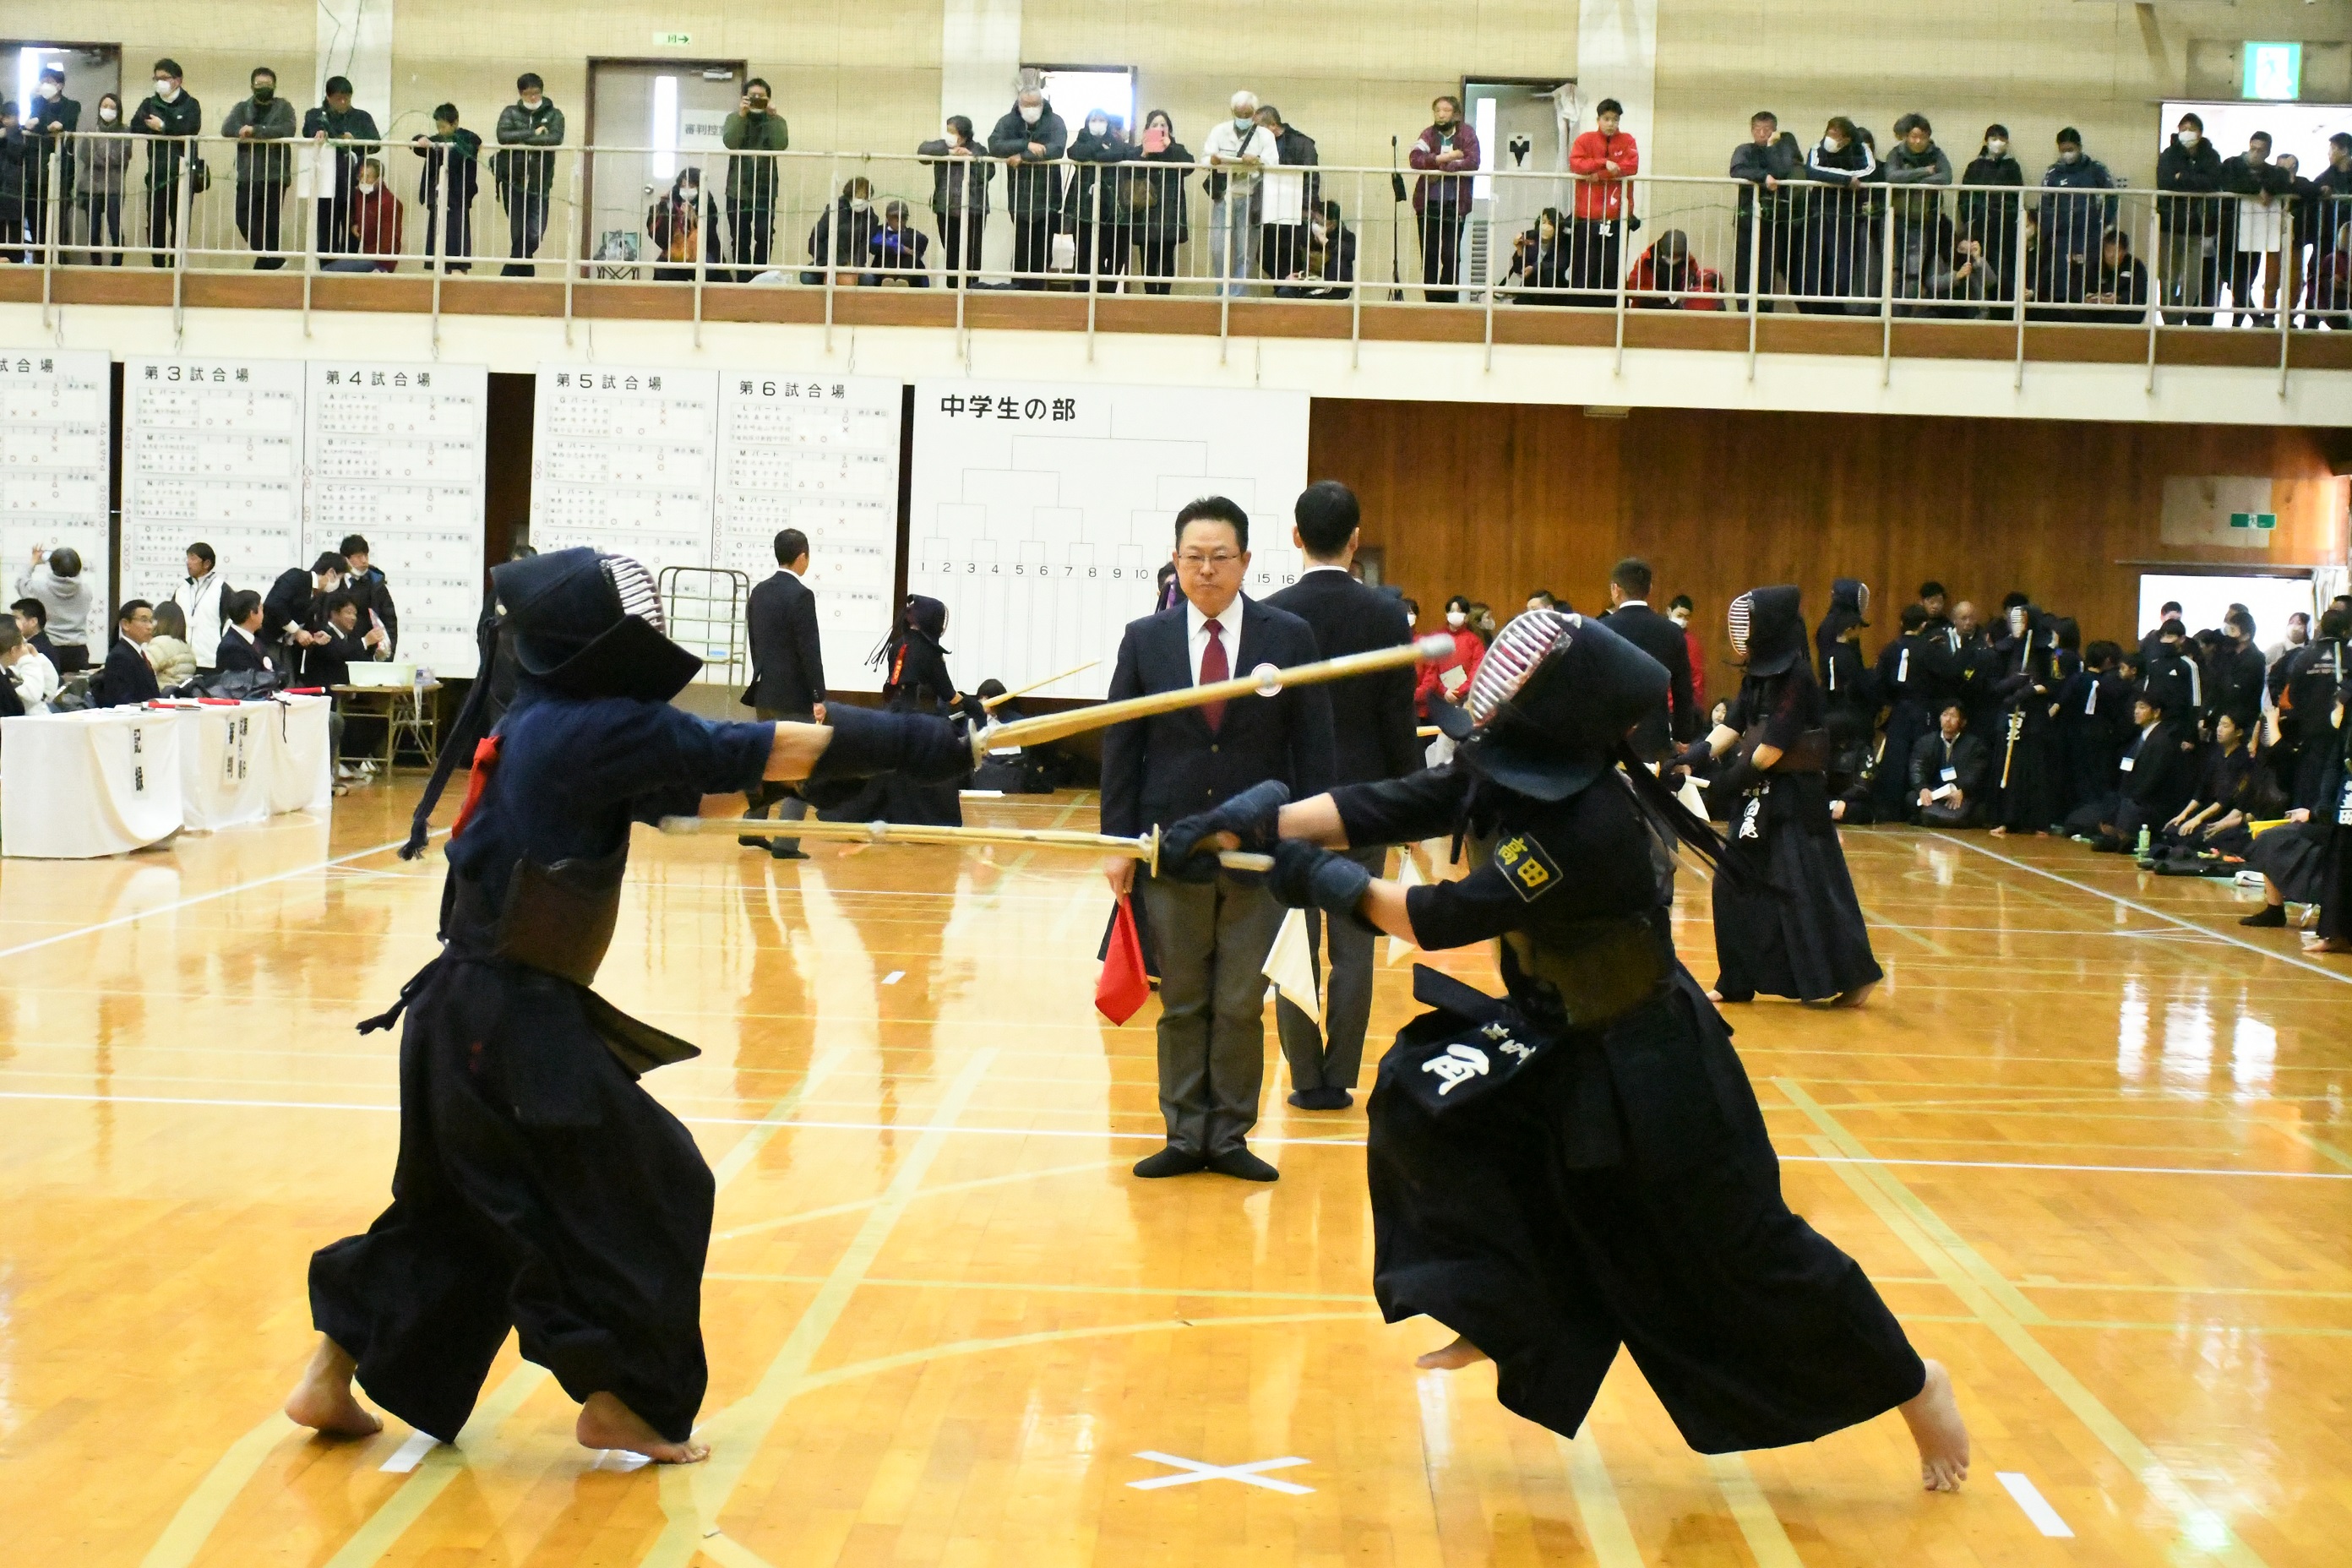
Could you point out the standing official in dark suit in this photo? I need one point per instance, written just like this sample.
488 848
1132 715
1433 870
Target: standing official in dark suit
297 604
1212 936
127 678
1631 617
1371 721
787 674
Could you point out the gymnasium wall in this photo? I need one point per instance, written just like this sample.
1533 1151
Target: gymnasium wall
865 76
1494 501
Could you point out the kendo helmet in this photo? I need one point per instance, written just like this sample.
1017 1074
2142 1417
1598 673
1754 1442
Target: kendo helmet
1550 707
586 624
1768 631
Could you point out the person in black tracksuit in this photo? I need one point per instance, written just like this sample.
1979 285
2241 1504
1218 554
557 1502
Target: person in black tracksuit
2189 225
1770 167
1990 219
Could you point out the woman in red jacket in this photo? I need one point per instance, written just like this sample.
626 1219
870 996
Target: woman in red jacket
1601 159
1446 679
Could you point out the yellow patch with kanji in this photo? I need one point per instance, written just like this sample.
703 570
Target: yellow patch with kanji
1524 864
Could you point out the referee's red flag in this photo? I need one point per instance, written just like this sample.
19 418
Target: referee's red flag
1123 986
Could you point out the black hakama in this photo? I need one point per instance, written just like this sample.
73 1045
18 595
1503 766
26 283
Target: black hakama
1807 941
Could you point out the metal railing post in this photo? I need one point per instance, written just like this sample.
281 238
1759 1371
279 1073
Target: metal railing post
574 240
49 217
310 221
1094 247
1356 286
832 245
436 247
1887 266
183 205
2017 294
1759 269
701 247
2155 301
1619 369
1488 281
2288 255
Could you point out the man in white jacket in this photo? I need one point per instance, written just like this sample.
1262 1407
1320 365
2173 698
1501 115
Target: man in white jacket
1238 151
199 599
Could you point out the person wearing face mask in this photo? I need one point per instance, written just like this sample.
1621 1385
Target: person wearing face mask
1666 276
1238 151
372 242
1922 237
529 129
49 119
261 125
170 117
1031 139
1679 610
1445 679
2187 220
1287 201
2073 225
1770 168
1991 219
899 252
353 133
1163 219
2256 228
1330 265
844 235
1601 159
16 153
101 163
754 133
452 164
1837 222
960 181
1448 152
679 221
1098 201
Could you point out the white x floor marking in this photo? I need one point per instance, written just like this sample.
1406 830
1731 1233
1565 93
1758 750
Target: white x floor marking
1194 1470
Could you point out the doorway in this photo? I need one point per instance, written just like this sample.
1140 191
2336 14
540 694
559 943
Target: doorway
661 117
92 70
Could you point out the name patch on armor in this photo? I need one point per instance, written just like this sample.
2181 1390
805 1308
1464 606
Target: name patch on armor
1531 872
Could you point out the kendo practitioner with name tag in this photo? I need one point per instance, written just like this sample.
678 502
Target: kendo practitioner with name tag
2028 685
1805 938
537 1186
1581 1164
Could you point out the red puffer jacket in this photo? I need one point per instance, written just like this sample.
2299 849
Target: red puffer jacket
1601 194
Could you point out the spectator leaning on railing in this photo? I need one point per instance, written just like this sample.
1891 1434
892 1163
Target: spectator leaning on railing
1991 220
1238 150
1031 139
2072 225
49 118
453 163
1837 221
960 181
1770 168
1601 159
1448 152
2257 230
1915 166
2302 230
1097 199
14 150
354 133
166 115
102 160
2187 220
1162 222
529 129
261 125
755 133
1287 198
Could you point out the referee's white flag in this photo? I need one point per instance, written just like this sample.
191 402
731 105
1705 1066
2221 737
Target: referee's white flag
1290 965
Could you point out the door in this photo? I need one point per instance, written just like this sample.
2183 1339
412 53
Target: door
91 71
657 118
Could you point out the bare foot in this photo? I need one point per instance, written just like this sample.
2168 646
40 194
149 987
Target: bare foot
2000 833
1856 997
1452 1358
2328 944
322 1400
1934 1417
607 1423
1716 997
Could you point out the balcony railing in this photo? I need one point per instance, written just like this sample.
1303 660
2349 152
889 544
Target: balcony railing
1507 256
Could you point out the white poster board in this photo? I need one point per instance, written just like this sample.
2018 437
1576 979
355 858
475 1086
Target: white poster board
395 455
1041 512
819 454
55 421
211 450
624 459
2206 596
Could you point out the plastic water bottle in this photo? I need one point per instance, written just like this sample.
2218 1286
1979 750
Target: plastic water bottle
2143 839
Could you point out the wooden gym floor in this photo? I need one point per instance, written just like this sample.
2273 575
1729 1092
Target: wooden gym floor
2091 1140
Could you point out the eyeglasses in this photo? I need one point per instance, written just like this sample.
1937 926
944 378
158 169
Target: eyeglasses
1195 562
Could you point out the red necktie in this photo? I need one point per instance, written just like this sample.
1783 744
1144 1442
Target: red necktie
1214 667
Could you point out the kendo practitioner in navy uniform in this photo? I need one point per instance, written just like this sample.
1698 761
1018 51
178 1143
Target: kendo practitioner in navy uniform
1581 1164
539 1187
2028 683
1853 700
1806 938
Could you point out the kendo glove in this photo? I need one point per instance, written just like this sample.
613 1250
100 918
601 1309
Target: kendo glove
865 742
1306 876
1739 775
1250 817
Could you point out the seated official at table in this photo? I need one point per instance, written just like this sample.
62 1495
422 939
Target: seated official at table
1948 769
241 646
327 663
32 679
128 679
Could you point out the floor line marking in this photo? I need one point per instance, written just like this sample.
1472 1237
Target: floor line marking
2259 951
803 1216
1767 1541
405 1457
933 1127
193 1523
1595 1495
1194 1472
195 898
694 1497
747 1148
439 1466
1876 1187
2037 1508
894 976
1930 943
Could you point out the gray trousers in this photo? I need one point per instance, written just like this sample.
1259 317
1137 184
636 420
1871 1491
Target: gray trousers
1332 1058
789 807
1212 939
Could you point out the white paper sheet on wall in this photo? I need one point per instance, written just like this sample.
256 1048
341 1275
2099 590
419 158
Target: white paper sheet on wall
211 450
56 435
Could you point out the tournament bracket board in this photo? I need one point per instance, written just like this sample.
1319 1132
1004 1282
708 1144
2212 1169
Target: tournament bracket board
819 454
211 450
56 419
624 459
394 454
1041 512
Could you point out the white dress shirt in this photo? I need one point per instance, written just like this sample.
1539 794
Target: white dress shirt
1229 633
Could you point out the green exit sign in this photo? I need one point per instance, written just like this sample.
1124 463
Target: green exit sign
673 40
2253 520
2272 72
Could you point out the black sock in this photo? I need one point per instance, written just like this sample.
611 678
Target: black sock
2271 915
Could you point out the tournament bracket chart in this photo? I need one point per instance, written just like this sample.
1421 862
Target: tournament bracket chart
211 450
56 419
623 460
819 454
1041 513
395 455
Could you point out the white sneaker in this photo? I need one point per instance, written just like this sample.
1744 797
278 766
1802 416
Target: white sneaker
345 771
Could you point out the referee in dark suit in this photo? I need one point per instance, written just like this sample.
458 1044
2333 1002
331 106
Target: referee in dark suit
1631 617
787 674
1372 718
1210 937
